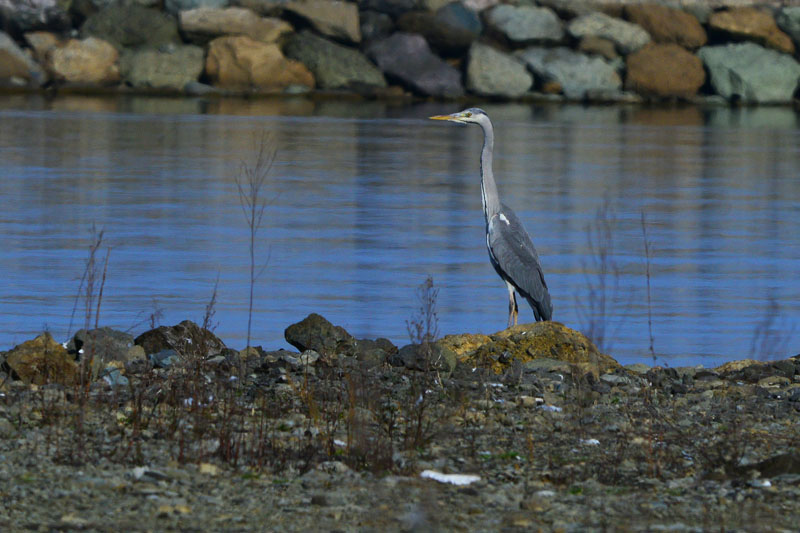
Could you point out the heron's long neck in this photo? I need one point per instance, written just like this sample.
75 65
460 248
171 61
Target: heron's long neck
491 201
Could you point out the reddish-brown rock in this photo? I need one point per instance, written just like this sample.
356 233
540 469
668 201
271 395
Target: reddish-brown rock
668 25
241 62
751 24
598 46
664 70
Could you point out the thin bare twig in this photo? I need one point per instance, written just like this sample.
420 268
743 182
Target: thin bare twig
647 255
249 183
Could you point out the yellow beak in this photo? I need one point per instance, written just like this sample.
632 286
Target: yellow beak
441 117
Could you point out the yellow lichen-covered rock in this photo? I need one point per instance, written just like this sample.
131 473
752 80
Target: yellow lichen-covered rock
90 60
42 360
734 366
527 342
464 344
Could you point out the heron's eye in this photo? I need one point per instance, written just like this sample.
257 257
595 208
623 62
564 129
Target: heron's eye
469 114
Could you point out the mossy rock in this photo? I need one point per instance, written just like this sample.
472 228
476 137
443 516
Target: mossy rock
42 360
527 342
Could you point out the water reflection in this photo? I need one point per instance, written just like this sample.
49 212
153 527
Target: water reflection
370 199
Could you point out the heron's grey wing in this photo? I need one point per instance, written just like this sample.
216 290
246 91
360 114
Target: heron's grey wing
513 251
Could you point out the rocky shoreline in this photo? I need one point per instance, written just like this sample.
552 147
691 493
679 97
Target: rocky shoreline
727 51
528 429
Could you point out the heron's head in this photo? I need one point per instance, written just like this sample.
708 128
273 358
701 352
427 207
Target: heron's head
472 115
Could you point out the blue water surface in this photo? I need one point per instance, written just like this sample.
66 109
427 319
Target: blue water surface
365 200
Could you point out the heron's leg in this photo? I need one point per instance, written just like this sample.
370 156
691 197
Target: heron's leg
513 310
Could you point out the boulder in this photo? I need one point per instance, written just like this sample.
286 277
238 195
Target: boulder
577 74
451 30
103 348
104 344
375 25
86 61
130 25
493 73
479 5
29 15
664 70
176 6
265 8
408 58
166 67
374 352
753 25
434 357
788 19
668 25
205 23
598 46
41 42
525 24
334 66
569 9
315 333
527 342
432 5
15 65
42 360
394 8
751 73
186 338
239 62
626 36
334 18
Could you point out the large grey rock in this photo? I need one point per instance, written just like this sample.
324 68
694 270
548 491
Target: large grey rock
167 67
16 66
525 24
316 333
579 75
103 344
29 15
374 352
788 19
186 338
206 23
176 6
334 66
626 36
129 26
493 73
333 18
432 357
375 25
751 73
408 58
451 30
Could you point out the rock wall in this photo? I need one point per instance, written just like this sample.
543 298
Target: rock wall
591 50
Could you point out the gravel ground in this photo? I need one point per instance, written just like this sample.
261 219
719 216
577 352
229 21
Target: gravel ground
291 442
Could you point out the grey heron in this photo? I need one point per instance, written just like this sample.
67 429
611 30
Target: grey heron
511 251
